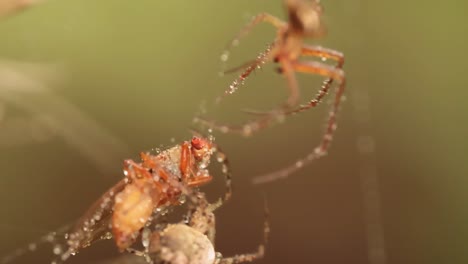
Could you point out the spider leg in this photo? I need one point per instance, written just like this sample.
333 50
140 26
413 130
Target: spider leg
318 51
201 215
248 67
226 169
288 71
249 257
255 125
139 253
245 129
320 150
262 17
315 51
261 58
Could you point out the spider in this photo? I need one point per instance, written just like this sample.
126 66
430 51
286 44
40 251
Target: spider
127 207
287 50
193 241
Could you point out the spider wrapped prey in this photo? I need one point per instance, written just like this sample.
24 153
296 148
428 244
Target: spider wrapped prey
193 241
304 22
125 209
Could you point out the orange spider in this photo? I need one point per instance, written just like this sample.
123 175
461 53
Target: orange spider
155 182
192 241
288 47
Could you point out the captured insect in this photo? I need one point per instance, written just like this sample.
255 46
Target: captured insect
304 22
150 185
193 241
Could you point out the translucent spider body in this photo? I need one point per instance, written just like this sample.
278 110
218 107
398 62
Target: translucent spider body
287 50
193 242
126 208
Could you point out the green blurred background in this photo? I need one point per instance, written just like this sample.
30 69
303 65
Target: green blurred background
129 76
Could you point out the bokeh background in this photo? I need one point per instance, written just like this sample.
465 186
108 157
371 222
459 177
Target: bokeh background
86 84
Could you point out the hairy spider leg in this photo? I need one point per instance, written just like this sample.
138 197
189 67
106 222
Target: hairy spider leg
260 18
277 115
314 51
320 150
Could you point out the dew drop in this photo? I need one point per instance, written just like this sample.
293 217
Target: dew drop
57 250
97 217
247 130
224 169
225 56
182 199
32 246
211 138
107 235
50 237
299 164
220 157
145 237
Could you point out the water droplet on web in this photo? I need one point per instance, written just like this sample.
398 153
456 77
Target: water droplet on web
324 59
211 138
32 246
57 250
182 199
145 237
220 157
247 130
203 165
50 237
107 235
224 169
224 129
225 56
299 164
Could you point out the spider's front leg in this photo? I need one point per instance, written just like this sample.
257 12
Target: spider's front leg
262 17
323 53
279 112
262 58
267 118
201 215
322 148
314 51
